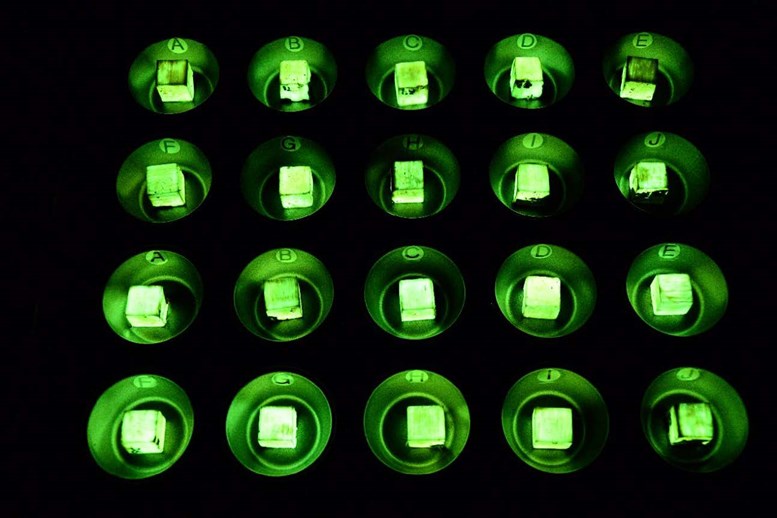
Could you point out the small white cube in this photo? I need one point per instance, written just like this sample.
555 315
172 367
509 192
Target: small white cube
295 186
638 80
551 428
532 182
143 432
425 426
408 182
165 185
671 294
282 298
146 306
690 422
295 80
648 182
416 299
411 83
278 427
174 81
526 78
541 297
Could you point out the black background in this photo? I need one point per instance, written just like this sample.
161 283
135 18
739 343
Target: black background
88 124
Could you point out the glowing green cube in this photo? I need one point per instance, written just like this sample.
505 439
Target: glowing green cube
416 299
278 427
425 426
638 80
690 422
282 298
295 80
408 182
411 83
174 81
526 78
532 182
146 306
143 432
541 297
648 182
671 294
551 428
295 186
165 185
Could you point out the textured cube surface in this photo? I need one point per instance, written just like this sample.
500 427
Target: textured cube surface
671 294
295 185
143 432
416 299
174 81
425 426
411 83
295 80
146 306
648 182
690 422
551 428
532 182
407 184
526 78
638 80
165 185
282 298
541 297
278 427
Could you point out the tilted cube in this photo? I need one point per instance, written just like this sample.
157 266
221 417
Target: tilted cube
425 426
532 182
551 428
143 432
638 80
416 299
175 81
165 185
146 306
671 294
295 80
295 186
690 422
541 297
411 83
278 427
648 182
282 298
407 185
526 78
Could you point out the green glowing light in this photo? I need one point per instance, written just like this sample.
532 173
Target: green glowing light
541 297
174 81
165 185
690 422
671 294
146 306
648 182
295 80
282 298
425 426
143 432
551 428
638 81
532 182
411 83
416 299
526 78
296 187
277 427
408 182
